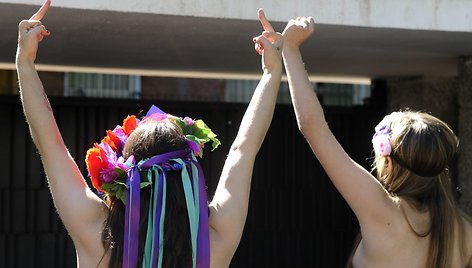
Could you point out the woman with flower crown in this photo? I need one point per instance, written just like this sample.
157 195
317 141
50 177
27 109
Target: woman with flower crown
407 215
154 212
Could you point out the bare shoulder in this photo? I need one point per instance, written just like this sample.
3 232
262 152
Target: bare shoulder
89 245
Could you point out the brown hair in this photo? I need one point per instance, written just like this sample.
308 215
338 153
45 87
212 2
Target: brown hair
149 139
422 148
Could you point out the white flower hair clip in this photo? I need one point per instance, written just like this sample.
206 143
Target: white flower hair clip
381 139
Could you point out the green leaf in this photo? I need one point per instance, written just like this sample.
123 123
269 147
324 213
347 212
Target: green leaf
121 195
120 173
107 187
121 183
215 143
196 139
144 184
199 132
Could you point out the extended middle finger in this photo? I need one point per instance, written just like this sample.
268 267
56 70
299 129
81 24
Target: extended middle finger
39 15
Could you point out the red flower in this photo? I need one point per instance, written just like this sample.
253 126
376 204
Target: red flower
95 160
129 124
112 139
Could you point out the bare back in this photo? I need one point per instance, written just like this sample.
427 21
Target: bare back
90 251
398 246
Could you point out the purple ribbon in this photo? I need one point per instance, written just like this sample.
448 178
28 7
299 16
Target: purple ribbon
162 158
203 238
132 210
157 221
130 250
154 110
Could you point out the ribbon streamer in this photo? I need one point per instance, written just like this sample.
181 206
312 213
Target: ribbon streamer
193 183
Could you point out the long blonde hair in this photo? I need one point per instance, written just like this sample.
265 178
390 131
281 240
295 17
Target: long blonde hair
422 148
423 144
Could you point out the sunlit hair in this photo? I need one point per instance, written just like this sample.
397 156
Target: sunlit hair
423 144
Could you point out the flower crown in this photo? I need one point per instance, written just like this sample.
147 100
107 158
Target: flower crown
105 163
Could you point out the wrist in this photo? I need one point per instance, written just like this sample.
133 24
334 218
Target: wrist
274 70
290 47
22 57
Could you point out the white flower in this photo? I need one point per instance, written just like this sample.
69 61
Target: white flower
381 143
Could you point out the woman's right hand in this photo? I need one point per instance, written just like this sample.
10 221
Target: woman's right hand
31 32
298 30
269 45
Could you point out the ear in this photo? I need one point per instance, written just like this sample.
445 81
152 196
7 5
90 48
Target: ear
388 164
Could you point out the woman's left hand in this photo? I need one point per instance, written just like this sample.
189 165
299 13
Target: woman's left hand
31 32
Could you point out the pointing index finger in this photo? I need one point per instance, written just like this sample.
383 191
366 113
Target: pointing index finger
39 15
265 23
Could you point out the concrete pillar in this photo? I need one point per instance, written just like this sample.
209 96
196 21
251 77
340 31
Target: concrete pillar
437 95
465 132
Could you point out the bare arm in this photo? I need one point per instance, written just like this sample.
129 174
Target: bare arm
77 206
370 202
229 206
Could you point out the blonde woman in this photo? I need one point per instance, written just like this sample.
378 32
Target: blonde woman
408 216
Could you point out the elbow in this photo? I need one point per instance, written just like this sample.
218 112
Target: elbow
238 148
304 124
244 145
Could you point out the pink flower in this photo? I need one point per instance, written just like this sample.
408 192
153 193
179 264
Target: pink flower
189 121
381 144
125 165
108 174
121 135
157 116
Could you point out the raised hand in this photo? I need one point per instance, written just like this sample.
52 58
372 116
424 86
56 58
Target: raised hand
268 44
298 30
31 32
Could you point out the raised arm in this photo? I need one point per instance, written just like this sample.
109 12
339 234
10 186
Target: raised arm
76 204
229 206
364 194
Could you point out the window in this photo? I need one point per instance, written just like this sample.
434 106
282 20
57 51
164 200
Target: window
342 94
330 94
242 91
102 85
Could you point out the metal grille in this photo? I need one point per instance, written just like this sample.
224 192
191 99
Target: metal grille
296 217
102 85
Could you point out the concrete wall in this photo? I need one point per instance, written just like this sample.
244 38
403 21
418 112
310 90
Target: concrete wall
168 88
444 15
465 132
